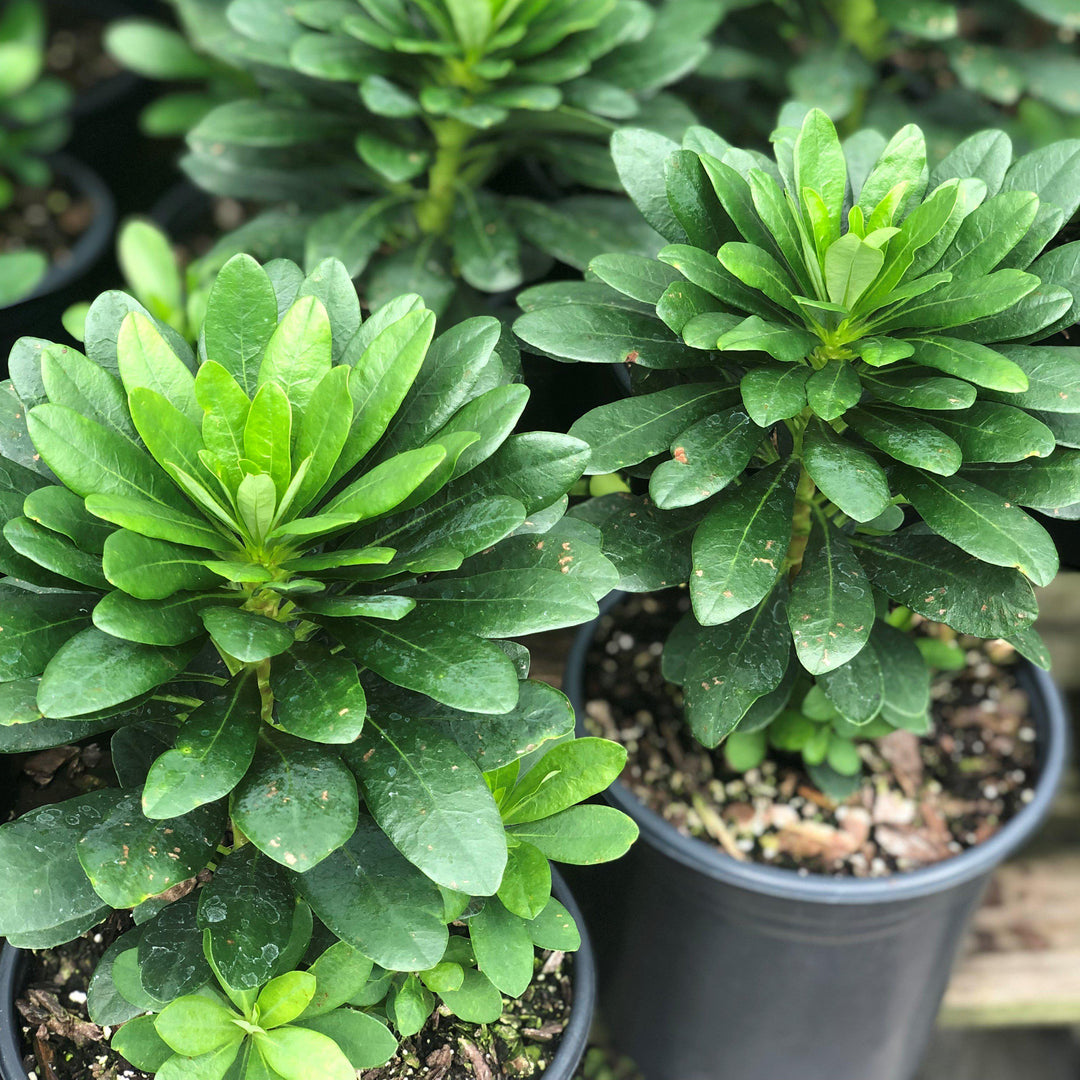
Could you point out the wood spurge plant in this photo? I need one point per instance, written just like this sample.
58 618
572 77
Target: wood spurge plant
282 571
839 412
392 118
33 123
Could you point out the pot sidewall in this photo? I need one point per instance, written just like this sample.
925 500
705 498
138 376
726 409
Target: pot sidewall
763 971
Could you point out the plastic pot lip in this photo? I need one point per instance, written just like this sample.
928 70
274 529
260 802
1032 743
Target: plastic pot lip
92 244
1052 726
571 1049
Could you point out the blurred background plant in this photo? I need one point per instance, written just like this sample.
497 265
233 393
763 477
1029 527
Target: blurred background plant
33 124
952 68
404 131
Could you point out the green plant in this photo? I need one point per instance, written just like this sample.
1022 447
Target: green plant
283 573
33 123
386 122
174 294
952 68
836 405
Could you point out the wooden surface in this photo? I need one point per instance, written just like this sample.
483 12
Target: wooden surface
1021 962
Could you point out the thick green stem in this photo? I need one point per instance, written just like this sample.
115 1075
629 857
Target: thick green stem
435 209
801 521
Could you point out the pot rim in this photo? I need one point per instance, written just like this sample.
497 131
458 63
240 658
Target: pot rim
93 242
571 1049
1052 726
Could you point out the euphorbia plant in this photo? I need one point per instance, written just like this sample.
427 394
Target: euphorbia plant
836 408
33 123
392 118
283 573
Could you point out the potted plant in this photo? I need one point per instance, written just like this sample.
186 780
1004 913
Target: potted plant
284 573
838 410
55 214
388 128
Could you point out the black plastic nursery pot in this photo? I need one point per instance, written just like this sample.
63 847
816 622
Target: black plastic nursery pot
76 279
714 969
575 1037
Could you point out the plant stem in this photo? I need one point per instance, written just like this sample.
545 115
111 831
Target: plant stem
435 209
800 522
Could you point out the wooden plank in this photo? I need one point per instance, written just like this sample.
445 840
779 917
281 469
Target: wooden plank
1021 964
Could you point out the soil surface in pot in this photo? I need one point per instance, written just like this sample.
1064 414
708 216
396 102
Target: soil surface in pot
60 1042
76 51
49 219
924 799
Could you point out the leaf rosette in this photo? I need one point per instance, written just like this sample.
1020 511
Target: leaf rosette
845 390
283 571
385 122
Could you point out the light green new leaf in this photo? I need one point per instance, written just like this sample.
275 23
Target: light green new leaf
268 434
147 360
298 354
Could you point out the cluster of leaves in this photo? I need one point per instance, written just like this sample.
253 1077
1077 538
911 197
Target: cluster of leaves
391 118
33 123
952 68
281 570
836 404
324 1010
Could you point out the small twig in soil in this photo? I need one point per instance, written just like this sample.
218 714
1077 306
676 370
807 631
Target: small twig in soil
714 825
472 1052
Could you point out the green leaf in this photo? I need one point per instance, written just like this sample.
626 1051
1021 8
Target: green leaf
150 622
362 1038
284 998
639 158
298 354
906 438
241 317
297 803
945 584
581 836
146 360
981 523
989 233
318 697
244 635
739 547
992 432
705 458
214 748
602 335
453 667
153 569
194 1025
985 155
431 800
170 952
848 476
906 677
34 625
387 485
637 276
1053 378
771 393
554 928
971 361
567 774
139 1043
247 911
1049 483
911 388
486 247
478 1001
129 858
525 888
268 433
833 390
734 664
70 379
340 973
155 521
503 948
851 265
785 343
376 901
95 671
46 886
89 458
831 611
